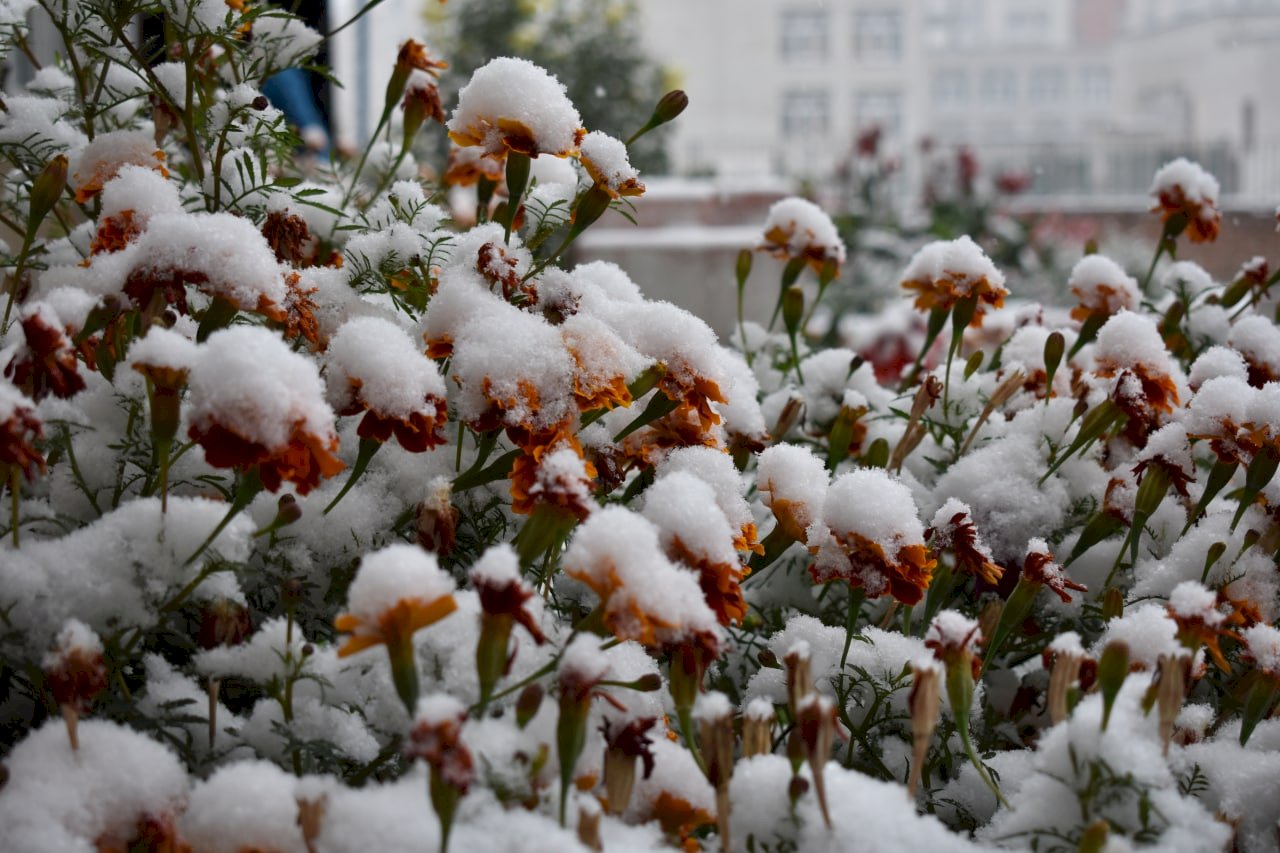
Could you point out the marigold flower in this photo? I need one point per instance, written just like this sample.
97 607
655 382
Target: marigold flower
1200 623
645 597
502 592
513 105
397 591
46 363
436 738
604 364
1183 187
694 531
1130 350
20 427
797 228
624 744
103 158
871 536
413 56
946 271
953 528
375 368
290 238
467 165
553 472
254 402
75 672
793 483
1103 289
605 160
1039 567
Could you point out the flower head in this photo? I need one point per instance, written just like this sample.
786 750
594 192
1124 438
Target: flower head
513 105
46 363
872 537
947 271
1183 187
396 592
953 528
436 738
255 402
1102 287
605 160
793 482
1039 567
797 228
20 428
75 671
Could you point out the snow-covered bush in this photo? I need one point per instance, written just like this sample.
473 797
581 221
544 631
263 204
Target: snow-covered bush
339 516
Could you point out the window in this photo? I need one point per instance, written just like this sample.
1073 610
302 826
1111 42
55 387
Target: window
950 86
877 36
1048 84
999 85
878 109
1095 85
805 112
804 35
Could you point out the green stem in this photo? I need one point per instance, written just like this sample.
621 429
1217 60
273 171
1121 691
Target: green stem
963 728
368 447
856 597
246 490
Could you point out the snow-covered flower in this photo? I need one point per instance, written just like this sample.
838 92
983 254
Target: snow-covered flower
102 159
397 591
605 160
20 428
1103 289
46 362
1039 568
946 272
870 535
257 404
1183 187
798 228
953 528
511 104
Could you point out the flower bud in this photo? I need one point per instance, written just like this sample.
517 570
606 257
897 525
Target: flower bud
757 728
1171 690
46 189
715 728
925 703
528 703
816 723
1113 668
799 676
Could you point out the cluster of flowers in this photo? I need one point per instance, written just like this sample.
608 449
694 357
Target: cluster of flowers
328 501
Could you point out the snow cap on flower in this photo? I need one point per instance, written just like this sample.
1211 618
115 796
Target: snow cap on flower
128 202
1040 567
793 482
75 671
647 598
102 159
798 228
375 368
396 591
717 470
254 401
953 528
1257 339
605 159
1130 343
947 271
1181 186
511 104
870 535
1214 362
1262 643
1102 287
502 591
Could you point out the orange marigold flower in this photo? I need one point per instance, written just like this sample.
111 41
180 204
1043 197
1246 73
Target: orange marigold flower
1102 287
467 165
1200 622
605 160
46 363
114 233
695 532
375 368
290 238
793 483
1183 187
513 105
953 528
871 536
100 160
397 591
552 472
436 738
604 364
254 402
797 228
946 271
645 596
19 429
1039 567
75 671
413 55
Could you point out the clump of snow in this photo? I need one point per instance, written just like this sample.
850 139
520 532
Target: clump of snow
1194 183
510 91
1103 286
960 262
800 228
606 158
389 372
394 574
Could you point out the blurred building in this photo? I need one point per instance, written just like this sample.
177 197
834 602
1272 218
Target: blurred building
1087 96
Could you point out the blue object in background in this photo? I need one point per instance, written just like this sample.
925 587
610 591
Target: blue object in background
290 92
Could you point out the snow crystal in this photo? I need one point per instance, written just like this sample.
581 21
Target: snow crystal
1216 361
510 90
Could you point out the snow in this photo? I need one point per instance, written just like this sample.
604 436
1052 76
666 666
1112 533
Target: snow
800 228
684 509
1263 644
248 379
1195 184
1148 631
164 348
960 262
952 630
248 804
394 574
391 375
1103 286
508 89
57 799
606 159
872 504
1258 340
793 480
